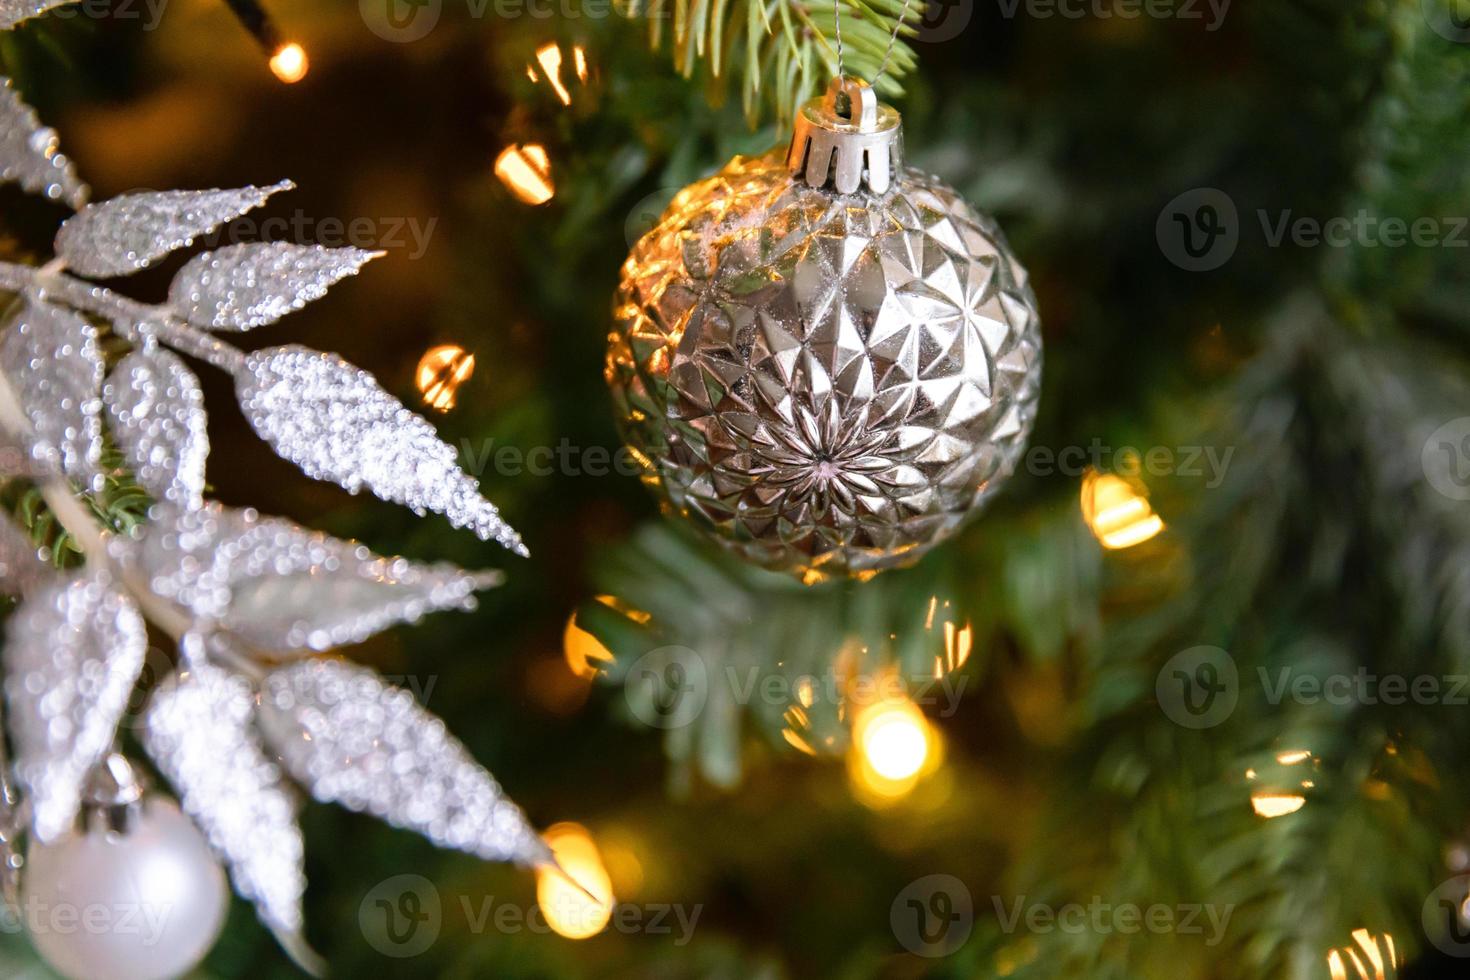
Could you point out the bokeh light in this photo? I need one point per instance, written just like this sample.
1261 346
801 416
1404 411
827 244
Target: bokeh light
526 172
440 373
570 910
1369 958
289 63
1117 511
893 747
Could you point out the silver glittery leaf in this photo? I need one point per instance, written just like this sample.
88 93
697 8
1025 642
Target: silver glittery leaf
72 655
21 569
240 287
158 417
51 358
198 732
351 738
127 234
13 12
335 422
30 154
281 587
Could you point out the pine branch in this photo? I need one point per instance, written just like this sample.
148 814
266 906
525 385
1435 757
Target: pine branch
784 51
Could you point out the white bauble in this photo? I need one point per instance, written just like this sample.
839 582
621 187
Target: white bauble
147 904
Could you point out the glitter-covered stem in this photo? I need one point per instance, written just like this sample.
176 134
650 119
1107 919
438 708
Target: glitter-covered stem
99 301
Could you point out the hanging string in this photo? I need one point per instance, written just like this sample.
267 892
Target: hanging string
837 20
888 53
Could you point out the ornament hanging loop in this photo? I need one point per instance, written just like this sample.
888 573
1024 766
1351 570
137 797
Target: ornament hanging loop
847 139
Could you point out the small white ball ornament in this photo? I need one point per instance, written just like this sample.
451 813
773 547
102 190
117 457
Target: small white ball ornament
137 895
827 361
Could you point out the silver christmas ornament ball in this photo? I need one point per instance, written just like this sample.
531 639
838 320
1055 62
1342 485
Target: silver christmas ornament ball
828 361
134 894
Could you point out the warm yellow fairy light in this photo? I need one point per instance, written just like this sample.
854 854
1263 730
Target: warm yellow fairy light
548 56
290 63
893 743
569 910
1373 959
1292 757
526 172
1118 513
585 653
440 372
1272 805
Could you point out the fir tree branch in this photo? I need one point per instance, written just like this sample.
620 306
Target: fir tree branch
784 50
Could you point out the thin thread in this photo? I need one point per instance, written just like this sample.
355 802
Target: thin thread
837 20
903 15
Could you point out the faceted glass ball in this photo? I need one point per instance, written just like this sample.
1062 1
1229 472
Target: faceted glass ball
828 384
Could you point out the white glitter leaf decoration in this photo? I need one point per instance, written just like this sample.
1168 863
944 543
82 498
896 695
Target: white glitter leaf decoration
51 359
21 569
13 12
157 411
337 423
30 154
284 588
126 234
199 733
240 287
351 738
72 655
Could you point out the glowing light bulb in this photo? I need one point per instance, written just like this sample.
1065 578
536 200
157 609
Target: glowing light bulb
1373 959
440 372
290 63
1273 805
893 745
526 172
570 911
585 653
549 57
1117 511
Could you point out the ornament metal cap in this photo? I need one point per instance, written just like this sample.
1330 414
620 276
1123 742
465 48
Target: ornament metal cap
847 139
113 796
